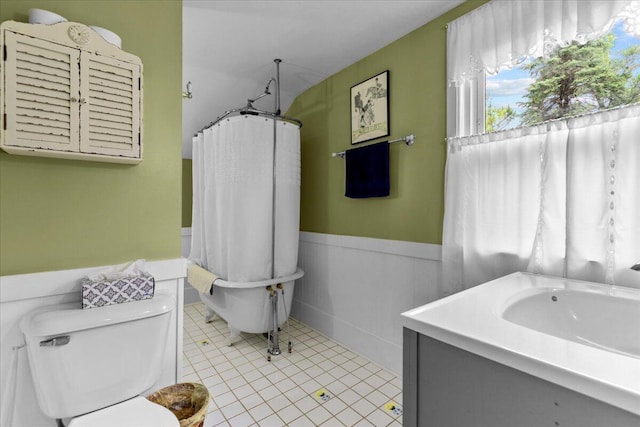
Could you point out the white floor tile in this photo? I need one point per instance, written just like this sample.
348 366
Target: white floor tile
375 381
389 390
319 415
349 417
295 394
269 393
285 385
334 406
213 418
377 398
363 389
302 422
242 420
311 386
379 418
232 410
224 399
191 378
336 387
306 404
361 373
324 379
236 382
363 407
300 378
261 412
278 402
349 380
252 375
260 383
289 413
248 390
272 421
349 397
364 423
251 401
242 391
218 389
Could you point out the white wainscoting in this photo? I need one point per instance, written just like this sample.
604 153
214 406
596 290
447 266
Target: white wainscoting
22 293
355 288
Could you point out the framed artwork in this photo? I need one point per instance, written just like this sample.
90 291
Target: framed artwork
370 109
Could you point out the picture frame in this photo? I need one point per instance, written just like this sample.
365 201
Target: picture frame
370 108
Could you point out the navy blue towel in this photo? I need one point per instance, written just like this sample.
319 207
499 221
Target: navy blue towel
367 171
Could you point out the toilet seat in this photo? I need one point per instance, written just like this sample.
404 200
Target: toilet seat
136 412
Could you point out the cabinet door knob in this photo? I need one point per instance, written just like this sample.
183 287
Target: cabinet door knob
82 101
73 99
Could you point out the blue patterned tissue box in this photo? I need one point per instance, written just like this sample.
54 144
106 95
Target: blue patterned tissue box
108 292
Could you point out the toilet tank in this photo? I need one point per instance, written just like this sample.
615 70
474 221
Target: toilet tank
85 360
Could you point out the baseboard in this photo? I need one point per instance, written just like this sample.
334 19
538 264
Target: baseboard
386 354
191 295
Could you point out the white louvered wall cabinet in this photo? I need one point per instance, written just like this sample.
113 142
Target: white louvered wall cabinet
67 93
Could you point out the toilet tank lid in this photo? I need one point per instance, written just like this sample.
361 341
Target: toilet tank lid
65 318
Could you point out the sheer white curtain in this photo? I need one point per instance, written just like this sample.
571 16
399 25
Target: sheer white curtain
502 33
232 224
559 198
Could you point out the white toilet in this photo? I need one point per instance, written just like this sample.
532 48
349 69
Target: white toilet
91 365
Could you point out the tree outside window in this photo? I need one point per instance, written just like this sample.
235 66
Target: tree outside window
575 79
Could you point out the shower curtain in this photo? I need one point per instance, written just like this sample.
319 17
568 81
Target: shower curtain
233 173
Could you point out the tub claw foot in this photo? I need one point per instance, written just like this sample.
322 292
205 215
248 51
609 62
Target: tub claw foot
209 314
234 336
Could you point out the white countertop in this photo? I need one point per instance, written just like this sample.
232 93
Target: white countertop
472 320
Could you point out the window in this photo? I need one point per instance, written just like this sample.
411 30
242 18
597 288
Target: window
572 80
506 41
558 197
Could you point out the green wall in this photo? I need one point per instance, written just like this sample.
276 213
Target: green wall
60 214
187 192
417 86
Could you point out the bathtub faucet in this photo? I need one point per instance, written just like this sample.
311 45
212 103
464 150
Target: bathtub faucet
636 267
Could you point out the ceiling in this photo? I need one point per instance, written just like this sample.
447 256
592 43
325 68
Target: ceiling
229 47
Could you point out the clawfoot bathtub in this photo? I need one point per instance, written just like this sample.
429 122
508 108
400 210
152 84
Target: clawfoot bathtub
247 307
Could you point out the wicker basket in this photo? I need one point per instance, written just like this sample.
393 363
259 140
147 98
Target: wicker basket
187 401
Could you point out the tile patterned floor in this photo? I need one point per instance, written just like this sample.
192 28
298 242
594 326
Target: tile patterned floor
248 390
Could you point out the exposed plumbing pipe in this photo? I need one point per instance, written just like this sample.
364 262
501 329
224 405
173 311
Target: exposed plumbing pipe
286 316
273 339
262 95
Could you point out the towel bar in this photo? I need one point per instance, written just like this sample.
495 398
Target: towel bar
409 140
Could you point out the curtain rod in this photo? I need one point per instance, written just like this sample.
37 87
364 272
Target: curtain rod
544 123
250 112
409 140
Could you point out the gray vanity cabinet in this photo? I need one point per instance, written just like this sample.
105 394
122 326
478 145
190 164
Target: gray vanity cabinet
445 386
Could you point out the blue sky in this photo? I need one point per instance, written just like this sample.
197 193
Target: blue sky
509 86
